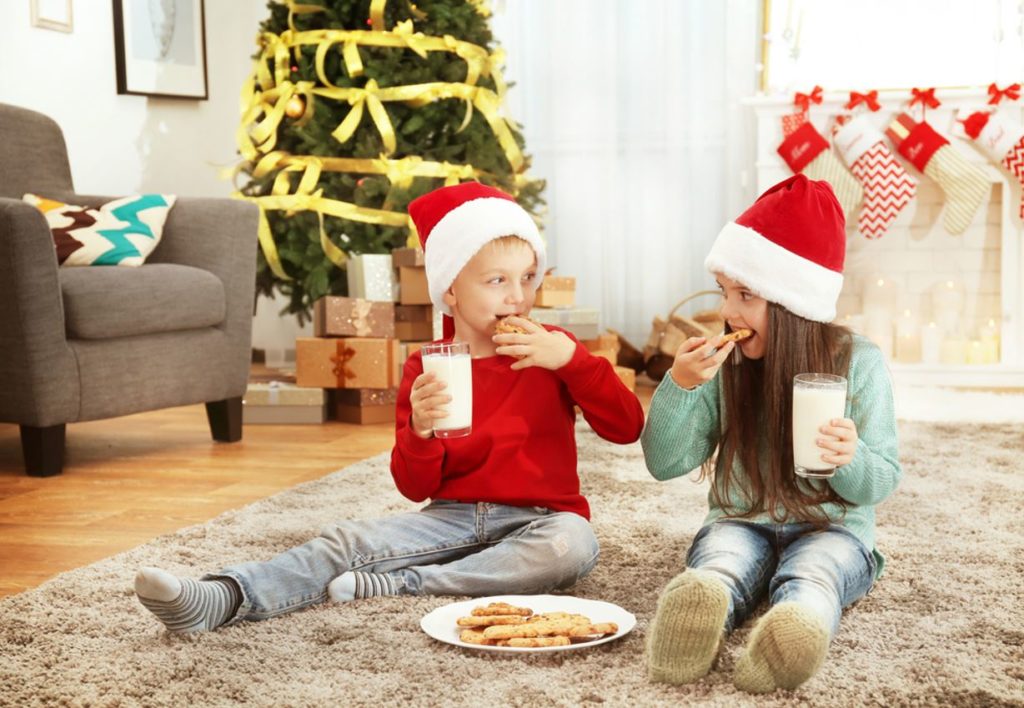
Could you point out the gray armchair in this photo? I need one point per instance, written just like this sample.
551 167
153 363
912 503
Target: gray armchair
97 342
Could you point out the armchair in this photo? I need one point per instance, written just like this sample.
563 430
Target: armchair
93 342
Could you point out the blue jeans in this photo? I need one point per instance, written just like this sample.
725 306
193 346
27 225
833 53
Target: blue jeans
446 548
824 571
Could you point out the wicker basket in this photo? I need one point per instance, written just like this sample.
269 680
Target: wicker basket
667 334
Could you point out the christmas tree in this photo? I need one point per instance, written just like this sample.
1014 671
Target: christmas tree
355 108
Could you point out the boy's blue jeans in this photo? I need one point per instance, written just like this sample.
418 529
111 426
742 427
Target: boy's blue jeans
446 548
824 571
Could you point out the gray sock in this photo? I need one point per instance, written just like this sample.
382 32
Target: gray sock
186 605
357 585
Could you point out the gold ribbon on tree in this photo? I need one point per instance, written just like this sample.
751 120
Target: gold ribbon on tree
265 95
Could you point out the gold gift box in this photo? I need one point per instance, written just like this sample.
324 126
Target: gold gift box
335 316
556 292
351 362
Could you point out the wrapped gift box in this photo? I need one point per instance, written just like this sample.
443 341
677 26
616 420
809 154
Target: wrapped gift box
602 342
352 362
412 286
278 402
414 322
371 276
353 317
581 321
410 257
627 376
556 292
364 405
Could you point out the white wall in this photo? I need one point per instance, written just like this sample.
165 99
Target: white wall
129 144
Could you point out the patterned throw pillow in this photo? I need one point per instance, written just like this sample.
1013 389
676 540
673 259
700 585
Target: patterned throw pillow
121 232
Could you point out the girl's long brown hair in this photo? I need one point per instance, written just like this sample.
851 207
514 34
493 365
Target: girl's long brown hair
758 420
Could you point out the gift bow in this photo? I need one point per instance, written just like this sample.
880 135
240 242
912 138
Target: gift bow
870 99
996 94
340 361
804 100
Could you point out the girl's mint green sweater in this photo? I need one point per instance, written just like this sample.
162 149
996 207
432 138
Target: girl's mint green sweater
683 427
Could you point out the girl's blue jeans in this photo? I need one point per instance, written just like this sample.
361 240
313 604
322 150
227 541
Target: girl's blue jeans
824 571
446 548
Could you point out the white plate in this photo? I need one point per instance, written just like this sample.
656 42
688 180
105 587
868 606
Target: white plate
440 623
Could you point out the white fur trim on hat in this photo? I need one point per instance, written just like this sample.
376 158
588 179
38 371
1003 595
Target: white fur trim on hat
465 230
856 138
775 273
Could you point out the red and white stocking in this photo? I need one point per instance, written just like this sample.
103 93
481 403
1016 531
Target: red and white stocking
807 152
964 185
888 188
1001 141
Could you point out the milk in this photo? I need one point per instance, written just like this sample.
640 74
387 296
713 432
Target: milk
456 370
817 399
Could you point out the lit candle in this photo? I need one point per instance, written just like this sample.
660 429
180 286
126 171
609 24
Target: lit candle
907 324
954 352
931 343
908 348
948 305
979 352
990 337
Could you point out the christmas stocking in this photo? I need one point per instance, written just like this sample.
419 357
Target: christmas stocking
804 150
888 188
1001 140
964 185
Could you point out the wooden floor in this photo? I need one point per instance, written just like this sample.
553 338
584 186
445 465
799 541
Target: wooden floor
131 479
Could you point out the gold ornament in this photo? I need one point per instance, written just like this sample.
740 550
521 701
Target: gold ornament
296 107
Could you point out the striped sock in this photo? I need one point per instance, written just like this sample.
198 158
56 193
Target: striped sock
357 585
185 605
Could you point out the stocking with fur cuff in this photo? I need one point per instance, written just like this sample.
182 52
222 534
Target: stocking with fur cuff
1000 140
964 185
888 188
808 153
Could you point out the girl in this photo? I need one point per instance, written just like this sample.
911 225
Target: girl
808 546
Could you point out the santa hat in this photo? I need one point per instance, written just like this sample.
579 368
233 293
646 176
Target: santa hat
457 221
788 248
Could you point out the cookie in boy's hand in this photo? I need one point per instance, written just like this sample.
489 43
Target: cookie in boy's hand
506 327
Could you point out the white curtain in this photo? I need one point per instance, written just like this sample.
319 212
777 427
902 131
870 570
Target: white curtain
631 111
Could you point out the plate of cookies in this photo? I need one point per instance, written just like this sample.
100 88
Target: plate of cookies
528 623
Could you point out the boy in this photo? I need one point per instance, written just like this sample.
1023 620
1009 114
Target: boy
505 515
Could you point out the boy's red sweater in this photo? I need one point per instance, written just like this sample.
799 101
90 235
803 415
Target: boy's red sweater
522 451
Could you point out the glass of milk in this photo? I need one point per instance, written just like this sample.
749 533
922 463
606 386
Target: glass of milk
817 399
450 362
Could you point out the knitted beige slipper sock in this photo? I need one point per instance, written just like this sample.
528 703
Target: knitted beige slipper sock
688 627
786 648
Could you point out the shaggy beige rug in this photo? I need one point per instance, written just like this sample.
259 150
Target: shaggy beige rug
945 626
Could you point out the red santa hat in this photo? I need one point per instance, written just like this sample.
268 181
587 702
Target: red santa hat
788 248
457 221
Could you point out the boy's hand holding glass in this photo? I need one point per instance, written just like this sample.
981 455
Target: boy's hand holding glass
427 399
698 360
537 347
839 440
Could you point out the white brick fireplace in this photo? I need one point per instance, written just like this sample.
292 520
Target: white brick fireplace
950 299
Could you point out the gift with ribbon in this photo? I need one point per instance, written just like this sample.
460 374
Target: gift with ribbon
335 316
350 362
414 323
556 291
279 402
964 185
371 276
363 406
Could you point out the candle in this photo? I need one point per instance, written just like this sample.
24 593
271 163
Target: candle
954 352
931 343
948 304
981 352
907 324
908 348
990 337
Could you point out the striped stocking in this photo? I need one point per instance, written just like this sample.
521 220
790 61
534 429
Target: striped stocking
888 188
964 184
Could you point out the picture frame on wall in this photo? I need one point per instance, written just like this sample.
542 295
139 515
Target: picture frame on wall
160 48
51 14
